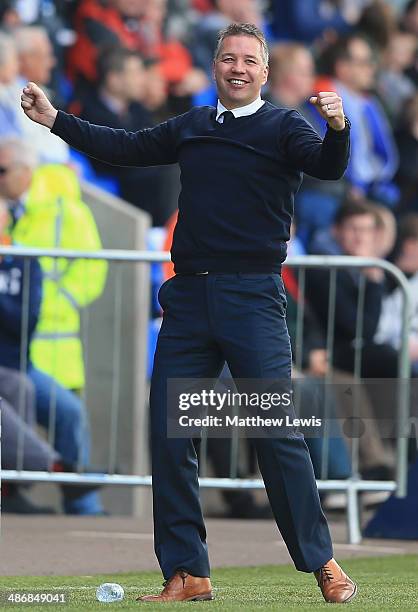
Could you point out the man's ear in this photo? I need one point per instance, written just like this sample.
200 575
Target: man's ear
266 74
213 70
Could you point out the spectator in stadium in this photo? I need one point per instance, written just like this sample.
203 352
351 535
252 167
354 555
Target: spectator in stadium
9 70
55 17
36 453
405 257
53 403
22 447
291 83
376 458
18 424
241 164
36 58
118 103
17 396
407 141
100 25
120 91
394 87
135 25
291 76
47 211
354 233
377 23
308 20
352 64
97 25
35 61
174 61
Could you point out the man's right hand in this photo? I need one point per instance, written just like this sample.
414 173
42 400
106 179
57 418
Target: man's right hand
36 105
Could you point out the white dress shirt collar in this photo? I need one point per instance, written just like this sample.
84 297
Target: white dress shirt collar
242 111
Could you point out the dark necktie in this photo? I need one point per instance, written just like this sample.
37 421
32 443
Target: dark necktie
228 117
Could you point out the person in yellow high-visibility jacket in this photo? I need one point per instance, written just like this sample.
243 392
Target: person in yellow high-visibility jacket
54 216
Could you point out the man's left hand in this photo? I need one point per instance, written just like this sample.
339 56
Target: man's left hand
330 107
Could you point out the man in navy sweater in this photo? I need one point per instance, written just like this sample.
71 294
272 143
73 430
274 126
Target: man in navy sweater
241 164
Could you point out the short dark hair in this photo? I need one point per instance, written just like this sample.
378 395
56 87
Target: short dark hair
243 29
354 209
339 50
112 59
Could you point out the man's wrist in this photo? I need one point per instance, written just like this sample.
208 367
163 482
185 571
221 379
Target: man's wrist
344 126
50 118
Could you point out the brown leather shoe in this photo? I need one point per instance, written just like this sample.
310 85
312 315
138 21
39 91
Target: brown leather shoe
335 585
182 587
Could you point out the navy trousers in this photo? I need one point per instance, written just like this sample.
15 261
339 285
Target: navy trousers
240 319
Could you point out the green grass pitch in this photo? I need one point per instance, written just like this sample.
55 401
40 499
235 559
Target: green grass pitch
385 583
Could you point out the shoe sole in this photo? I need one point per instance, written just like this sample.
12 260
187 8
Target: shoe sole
205 597
354 593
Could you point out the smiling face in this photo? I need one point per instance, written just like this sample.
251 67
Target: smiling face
239 71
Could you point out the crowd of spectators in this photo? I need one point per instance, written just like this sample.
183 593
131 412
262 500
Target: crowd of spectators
132 63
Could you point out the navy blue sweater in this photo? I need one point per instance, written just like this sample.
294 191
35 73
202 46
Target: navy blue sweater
12 271
238 180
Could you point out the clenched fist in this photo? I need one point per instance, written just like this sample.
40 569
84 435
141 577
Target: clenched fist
330 107
36 105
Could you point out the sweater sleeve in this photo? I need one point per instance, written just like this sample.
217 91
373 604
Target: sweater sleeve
148 147
323 159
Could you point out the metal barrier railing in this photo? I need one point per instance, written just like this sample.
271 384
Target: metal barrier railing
351 486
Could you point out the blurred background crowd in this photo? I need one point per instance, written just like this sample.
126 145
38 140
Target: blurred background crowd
133 63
